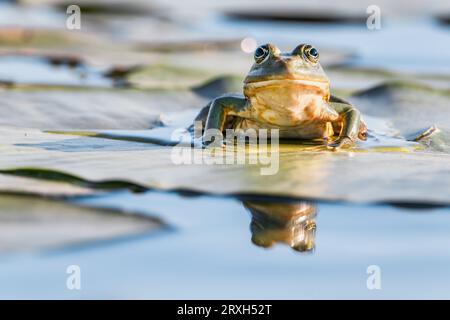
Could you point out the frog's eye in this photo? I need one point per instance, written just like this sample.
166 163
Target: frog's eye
308 52
311 53
261 53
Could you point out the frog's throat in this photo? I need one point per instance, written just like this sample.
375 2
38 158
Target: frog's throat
323 87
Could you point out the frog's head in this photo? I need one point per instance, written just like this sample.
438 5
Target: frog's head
277 75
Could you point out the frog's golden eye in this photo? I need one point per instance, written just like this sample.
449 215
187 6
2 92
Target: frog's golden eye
308 52
261 53
311 53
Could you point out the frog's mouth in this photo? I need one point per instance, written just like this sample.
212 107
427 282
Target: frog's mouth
287 87
288 82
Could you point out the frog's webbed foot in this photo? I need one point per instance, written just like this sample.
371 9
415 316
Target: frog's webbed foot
353 127
341 142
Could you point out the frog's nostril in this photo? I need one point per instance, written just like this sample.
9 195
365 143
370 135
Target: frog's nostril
294 62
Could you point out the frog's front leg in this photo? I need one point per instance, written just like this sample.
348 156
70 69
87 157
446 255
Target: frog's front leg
351 123
220 109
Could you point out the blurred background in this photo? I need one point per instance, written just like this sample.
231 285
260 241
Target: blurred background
211 38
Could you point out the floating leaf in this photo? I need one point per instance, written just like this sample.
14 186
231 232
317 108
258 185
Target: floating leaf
299 171
54 109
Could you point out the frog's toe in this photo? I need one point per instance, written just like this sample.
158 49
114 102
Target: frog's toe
342 142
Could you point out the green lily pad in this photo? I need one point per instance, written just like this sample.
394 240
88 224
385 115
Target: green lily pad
410 107
92 109
166 76
390 175
14 184
434 139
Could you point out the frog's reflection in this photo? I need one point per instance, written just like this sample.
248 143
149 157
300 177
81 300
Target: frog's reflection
290 223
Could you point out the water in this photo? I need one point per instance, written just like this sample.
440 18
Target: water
210 254
35 70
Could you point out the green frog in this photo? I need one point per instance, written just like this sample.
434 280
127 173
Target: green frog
289 92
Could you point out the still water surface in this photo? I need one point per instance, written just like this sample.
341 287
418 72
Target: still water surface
214 250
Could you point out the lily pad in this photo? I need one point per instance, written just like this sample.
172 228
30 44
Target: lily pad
303 172
88 109
410 107
166 76
114 7
14 184
295 15
219 86
22 37
434 139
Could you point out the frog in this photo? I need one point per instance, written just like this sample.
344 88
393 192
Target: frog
291 222
289 92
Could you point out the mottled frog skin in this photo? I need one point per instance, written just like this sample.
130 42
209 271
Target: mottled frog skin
289 92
